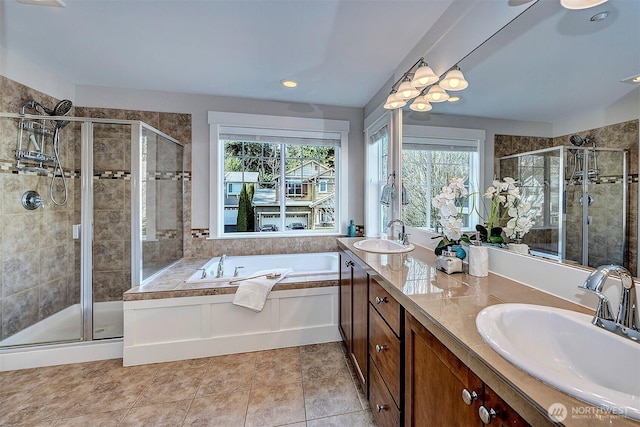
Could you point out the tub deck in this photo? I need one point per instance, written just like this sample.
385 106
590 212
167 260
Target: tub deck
172 283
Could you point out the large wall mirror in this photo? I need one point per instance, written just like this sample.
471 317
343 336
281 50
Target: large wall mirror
553 91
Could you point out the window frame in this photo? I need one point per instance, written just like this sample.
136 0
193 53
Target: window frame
287 126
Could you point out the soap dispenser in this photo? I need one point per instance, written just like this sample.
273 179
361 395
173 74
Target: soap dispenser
351 229
478 259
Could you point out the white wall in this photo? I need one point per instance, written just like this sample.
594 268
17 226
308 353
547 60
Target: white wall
199 106
15 67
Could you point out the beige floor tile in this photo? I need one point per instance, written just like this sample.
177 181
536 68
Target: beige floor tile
110 396
159 414
102 419
323 361
272 372
353 419
330 396
226 409
275 406
225 378
172 386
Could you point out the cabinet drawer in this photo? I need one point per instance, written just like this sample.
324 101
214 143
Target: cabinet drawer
386 305
384 409
384 350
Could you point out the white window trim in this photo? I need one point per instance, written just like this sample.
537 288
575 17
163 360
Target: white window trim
217 119
372 170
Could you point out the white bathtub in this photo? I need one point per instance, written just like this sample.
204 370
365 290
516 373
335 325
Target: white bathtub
313 264
186 327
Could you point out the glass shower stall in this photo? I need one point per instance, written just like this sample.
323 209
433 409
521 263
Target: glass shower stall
90 207
579 196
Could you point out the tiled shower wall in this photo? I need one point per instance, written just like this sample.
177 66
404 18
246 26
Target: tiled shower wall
37 255
621 135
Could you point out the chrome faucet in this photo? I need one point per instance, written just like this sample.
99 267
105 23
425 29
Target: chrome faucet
402 236
220 271
626 323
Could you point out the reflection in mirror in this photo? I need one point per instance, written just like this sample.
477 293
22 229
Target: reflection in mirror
579 197
550 74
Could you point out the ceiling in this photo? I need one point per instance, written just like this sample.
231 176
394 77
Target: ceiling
551 64
548 64
341 52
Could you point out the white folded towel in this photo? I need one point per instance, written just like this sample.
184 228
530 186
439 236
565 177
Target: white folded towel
253 293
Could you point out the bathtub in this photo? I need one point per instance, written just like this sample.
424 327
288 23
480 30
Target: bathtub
192 322
314 264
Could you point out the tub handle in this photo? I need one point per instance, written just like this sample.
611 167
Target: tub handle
204 272
235 270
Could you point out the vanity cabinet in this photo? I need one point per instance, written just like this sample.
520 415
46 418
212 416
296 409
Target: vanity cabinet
385 356
354 314
441 390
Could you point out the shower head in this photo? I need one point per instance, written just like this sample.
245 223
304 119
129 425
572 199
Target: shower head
576 140
62 108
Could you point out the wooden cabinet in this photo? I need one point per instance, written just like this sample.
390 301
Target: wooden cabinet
354 314
385 354
441 390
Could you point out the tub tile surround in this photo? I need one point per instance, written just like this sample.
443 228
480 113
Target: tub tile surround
266 388
447 305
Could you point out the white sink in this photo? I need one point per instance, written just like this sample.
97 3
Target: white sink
563 349
383 246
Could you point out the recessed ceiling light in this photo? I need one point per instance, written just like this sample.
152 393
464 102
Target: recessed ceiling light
56 3
599 16
632 80
453 99
289 83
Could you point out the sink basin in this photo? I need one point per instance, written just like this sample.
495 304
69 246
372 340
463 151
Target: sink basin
383 246
563 349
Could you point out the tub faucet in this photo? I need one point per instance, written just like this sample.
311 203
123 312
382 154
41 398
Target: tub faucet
220 271
626 323
402 236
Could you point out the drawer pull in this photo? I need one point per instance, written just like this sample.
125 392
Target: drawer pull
486 415
468 397
379 347
380 300
380 408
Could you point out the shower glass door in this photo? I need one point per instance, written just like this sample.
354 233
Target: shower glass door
111 206
40 280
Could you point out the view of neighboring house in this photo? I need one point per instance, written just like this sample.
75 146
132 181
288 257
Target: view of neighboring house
309 198
232 186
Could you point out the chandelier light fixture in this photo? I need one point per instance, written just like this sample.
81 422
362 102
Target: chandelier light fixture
421 83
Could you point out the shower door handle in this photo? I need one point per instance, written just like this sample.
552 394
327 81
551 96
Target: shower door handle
77 231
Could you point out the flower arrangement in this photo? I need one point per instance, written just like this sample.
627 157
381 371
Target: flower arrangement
449 204
506 202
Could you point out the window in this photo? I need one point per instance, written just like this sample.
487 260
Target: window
428 163
282 179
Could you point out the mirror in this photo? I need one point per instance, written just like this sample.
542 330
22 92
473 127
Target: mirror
550 74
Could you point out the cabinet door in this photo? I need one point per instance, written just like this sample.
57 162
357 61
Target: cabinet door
434 382
504 416
345 299
360 319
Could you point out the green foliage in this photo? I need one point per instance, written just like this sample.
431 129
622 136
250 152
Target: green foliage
251 216
242 220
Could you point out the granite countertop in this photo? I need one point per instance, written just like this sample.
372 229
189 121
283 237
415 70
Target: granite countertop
447 305
171 283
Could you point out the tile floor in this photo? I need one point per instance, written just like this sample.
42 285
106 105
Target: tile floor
312 386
